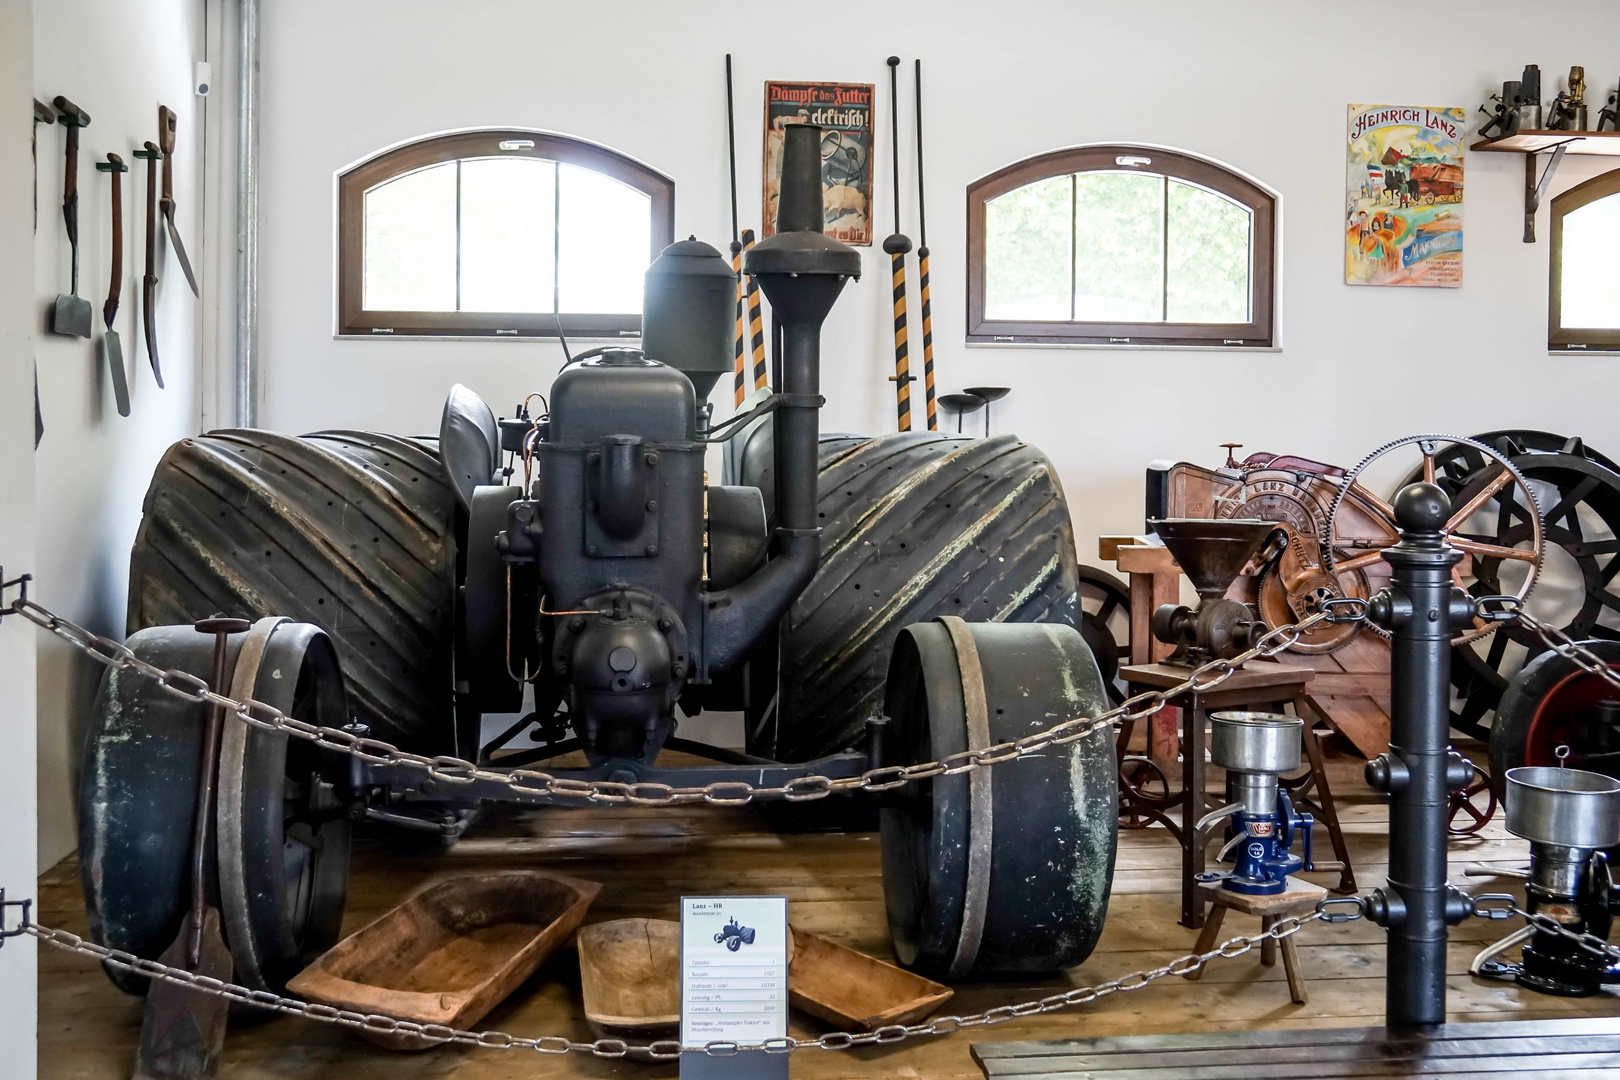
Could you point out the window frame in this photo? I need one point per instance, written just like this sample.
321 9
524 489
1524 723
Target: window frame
1584 339
1259 333
353 182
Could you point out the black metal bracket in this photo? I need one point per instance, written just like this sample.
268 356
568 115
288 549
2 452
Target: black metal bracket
1534 190
21 583
22 927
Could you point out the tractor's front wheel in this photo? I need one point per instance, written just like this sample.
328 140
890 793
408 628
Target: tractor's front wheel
282 844
1002 870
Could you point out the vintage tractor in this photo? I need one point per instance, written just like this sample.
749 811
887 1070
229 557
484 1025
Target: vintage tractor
919 604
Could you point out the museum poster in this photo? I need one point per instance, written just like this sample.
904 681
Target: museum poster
1404 196
844 112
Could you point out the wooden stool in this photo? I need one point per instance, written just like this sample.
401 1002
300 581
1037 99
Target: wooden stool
1263 684
1298 898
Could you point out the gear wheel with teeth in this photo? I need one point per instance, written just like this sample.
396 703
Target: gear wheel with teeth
1499 493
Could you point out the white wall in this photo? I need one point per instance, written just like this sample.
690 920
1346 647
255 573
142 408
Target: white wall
118 62
18 1005
1262 85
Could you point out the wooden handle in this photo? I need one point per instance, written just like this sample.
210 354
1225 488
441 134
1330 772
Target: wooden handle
152 154
69 113
115 287
166 129
70 185
166 144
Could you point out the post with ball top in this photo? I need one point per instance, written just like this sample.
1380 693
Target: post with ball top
1419 771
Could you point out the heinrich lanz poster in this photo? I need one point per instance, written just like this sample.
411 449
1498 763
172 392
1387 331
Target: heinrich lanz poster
844 112
1404 196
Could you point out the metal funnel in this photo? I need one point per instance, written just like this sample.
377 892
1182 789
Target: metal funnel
1212 552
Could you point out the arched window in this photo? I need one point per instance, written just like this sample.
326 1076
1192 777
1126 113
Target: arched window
1583 312
1121 245
498 233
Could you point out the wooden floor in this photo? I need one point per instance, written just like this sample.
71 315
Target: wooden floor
647 860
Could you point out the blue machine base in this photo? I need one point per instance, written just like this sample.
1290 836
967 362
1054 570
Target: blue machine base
1246 886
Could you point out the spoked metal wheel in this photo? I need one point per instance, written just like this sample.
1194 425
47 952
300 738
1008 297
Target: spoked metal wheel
283 853
1580 490
1140 778
1472 807
1495 521
1006 869
1105 623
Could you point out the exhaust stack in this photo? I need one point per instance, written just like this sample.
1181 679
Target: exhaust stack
801 271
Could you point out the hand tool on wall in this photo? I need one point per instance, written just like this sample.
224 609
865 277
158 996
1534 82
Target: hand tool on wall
166 143
897 244
182 1031
71 316
736 244
150 153
110 343
922 269
43 114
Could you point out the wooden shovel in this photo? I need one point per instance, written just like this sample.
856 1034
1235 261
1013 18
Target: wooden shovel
183 1030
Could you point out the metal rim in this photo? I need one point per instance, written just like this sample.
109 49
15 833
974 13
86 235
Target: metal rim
233 901
1430 446
981 806
282 874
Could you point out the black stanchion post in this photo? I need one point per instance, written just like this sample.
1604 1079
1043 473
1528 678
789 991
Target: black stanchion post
1418 608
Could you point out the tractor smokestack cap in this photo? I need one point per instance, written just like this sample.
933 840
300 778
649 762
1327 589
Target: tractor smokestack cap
800 246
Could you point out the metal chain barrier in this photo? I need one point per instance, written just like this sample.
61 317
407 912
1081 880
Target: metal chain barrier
670 1049
453 770
1512 609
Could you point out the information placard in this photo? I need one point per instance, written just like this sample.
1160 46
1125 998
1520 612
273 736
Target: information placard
734 969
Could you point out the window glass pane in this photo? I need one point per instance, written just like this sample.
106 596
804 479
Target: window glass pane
1590 275
410 242
606 236
1119 247
1026 252
507 251
1208 257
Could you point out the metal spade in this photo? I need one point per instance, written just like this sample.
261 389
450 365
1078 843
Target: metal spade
149 282
71 316
110 344
183 1031
166 142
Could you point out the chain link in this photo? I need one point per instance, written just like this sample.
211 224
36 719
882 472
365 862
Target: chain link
457 771
667 1049
1590 942
1556 640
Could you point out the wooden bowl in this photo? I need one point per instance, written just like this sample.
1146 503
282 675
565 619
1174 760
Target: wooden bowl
630 972
451 952
851 990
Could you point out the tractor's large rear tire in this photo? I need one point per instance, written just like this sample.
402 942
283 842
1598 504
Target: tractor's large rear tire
917 525
352 531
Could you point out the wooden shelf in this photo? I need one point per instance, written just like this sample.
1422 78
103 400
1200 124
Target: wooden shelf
1599 143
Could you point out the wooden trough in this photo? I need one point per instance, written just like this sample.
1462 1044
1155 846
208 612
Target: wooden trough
851 990
630 973
451 952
